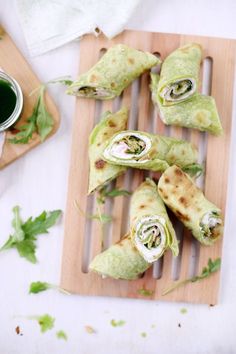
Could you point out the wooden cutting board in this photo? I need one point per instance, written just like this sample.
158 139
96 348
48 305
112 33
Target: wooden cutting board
82 240
13 63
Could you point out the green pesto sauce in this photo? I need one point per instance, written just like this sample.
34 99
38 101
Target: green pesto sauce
7 100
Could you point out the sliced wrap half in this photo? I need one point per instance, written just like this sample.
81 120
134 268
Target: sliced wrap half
151 229
120 261
199 112
179 77
117 68
149 152
102 172
187 201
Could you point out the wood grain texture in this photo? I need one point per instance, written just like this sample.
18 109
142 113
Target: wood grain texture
15 65
80 232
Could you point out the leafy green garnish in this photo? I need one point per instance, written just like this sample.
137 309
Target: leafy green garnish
46 322
65 80
115 192
38 286
194 170
144 334
61 335
212 267
40 122
145 292
115 323
183 311
24 236
103 218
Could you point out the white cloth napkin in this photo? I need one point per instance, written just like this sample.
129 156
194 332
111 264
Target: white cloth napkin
48 24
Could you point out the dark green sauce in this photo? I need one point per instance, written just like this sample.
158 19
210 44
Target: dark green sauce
7 100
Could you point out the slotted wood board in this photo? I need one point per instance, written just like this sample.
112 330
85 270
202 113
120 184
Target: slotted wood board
14 64
82 239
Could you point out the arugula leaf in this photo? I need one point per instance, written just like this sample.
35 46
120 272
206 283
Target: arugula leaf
103 218
183 311
40 122
41 223
145 292
115 323
61 335
46 322
143 334
44 120
212 267
115 192
38 286
24 236
26 130
194 170
65 80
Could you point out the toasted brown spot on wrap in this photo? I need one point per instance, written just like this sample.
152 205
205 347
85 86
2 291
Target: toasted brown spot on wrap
167 180
178 172
182 216
111 124
100 164
93 78
131 61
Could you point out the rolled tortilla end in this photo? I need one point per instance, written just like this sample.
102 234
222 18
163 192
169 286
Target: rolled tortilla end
189 204
120 261
116 69
102 172
179 74
148 151
199 112
151 229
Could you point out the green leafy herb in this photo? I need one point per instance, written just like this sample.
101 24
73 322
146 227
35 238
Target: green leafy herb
145 292
89 329
194 170
183 311
46 322
61 335
212 267
24 236
40 122
115 323
65 80
144 334
38 286
103 218
115 192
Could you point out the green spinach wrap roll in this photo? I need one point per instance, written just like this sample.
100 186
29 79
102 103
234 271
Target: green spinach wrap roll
151 230
120 261
117 68
149 152
188 202
179 74
102 172
199 112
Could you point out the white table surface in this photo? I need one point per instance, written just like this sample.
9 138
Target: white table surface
39 181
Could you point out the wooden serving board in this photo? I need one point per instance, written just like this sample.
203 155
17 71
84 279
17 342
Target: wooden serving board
14 64
82 240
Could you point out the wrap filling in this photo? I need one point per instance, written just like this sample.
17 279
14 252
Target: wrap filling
151 237
128 146
179 90
210 224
